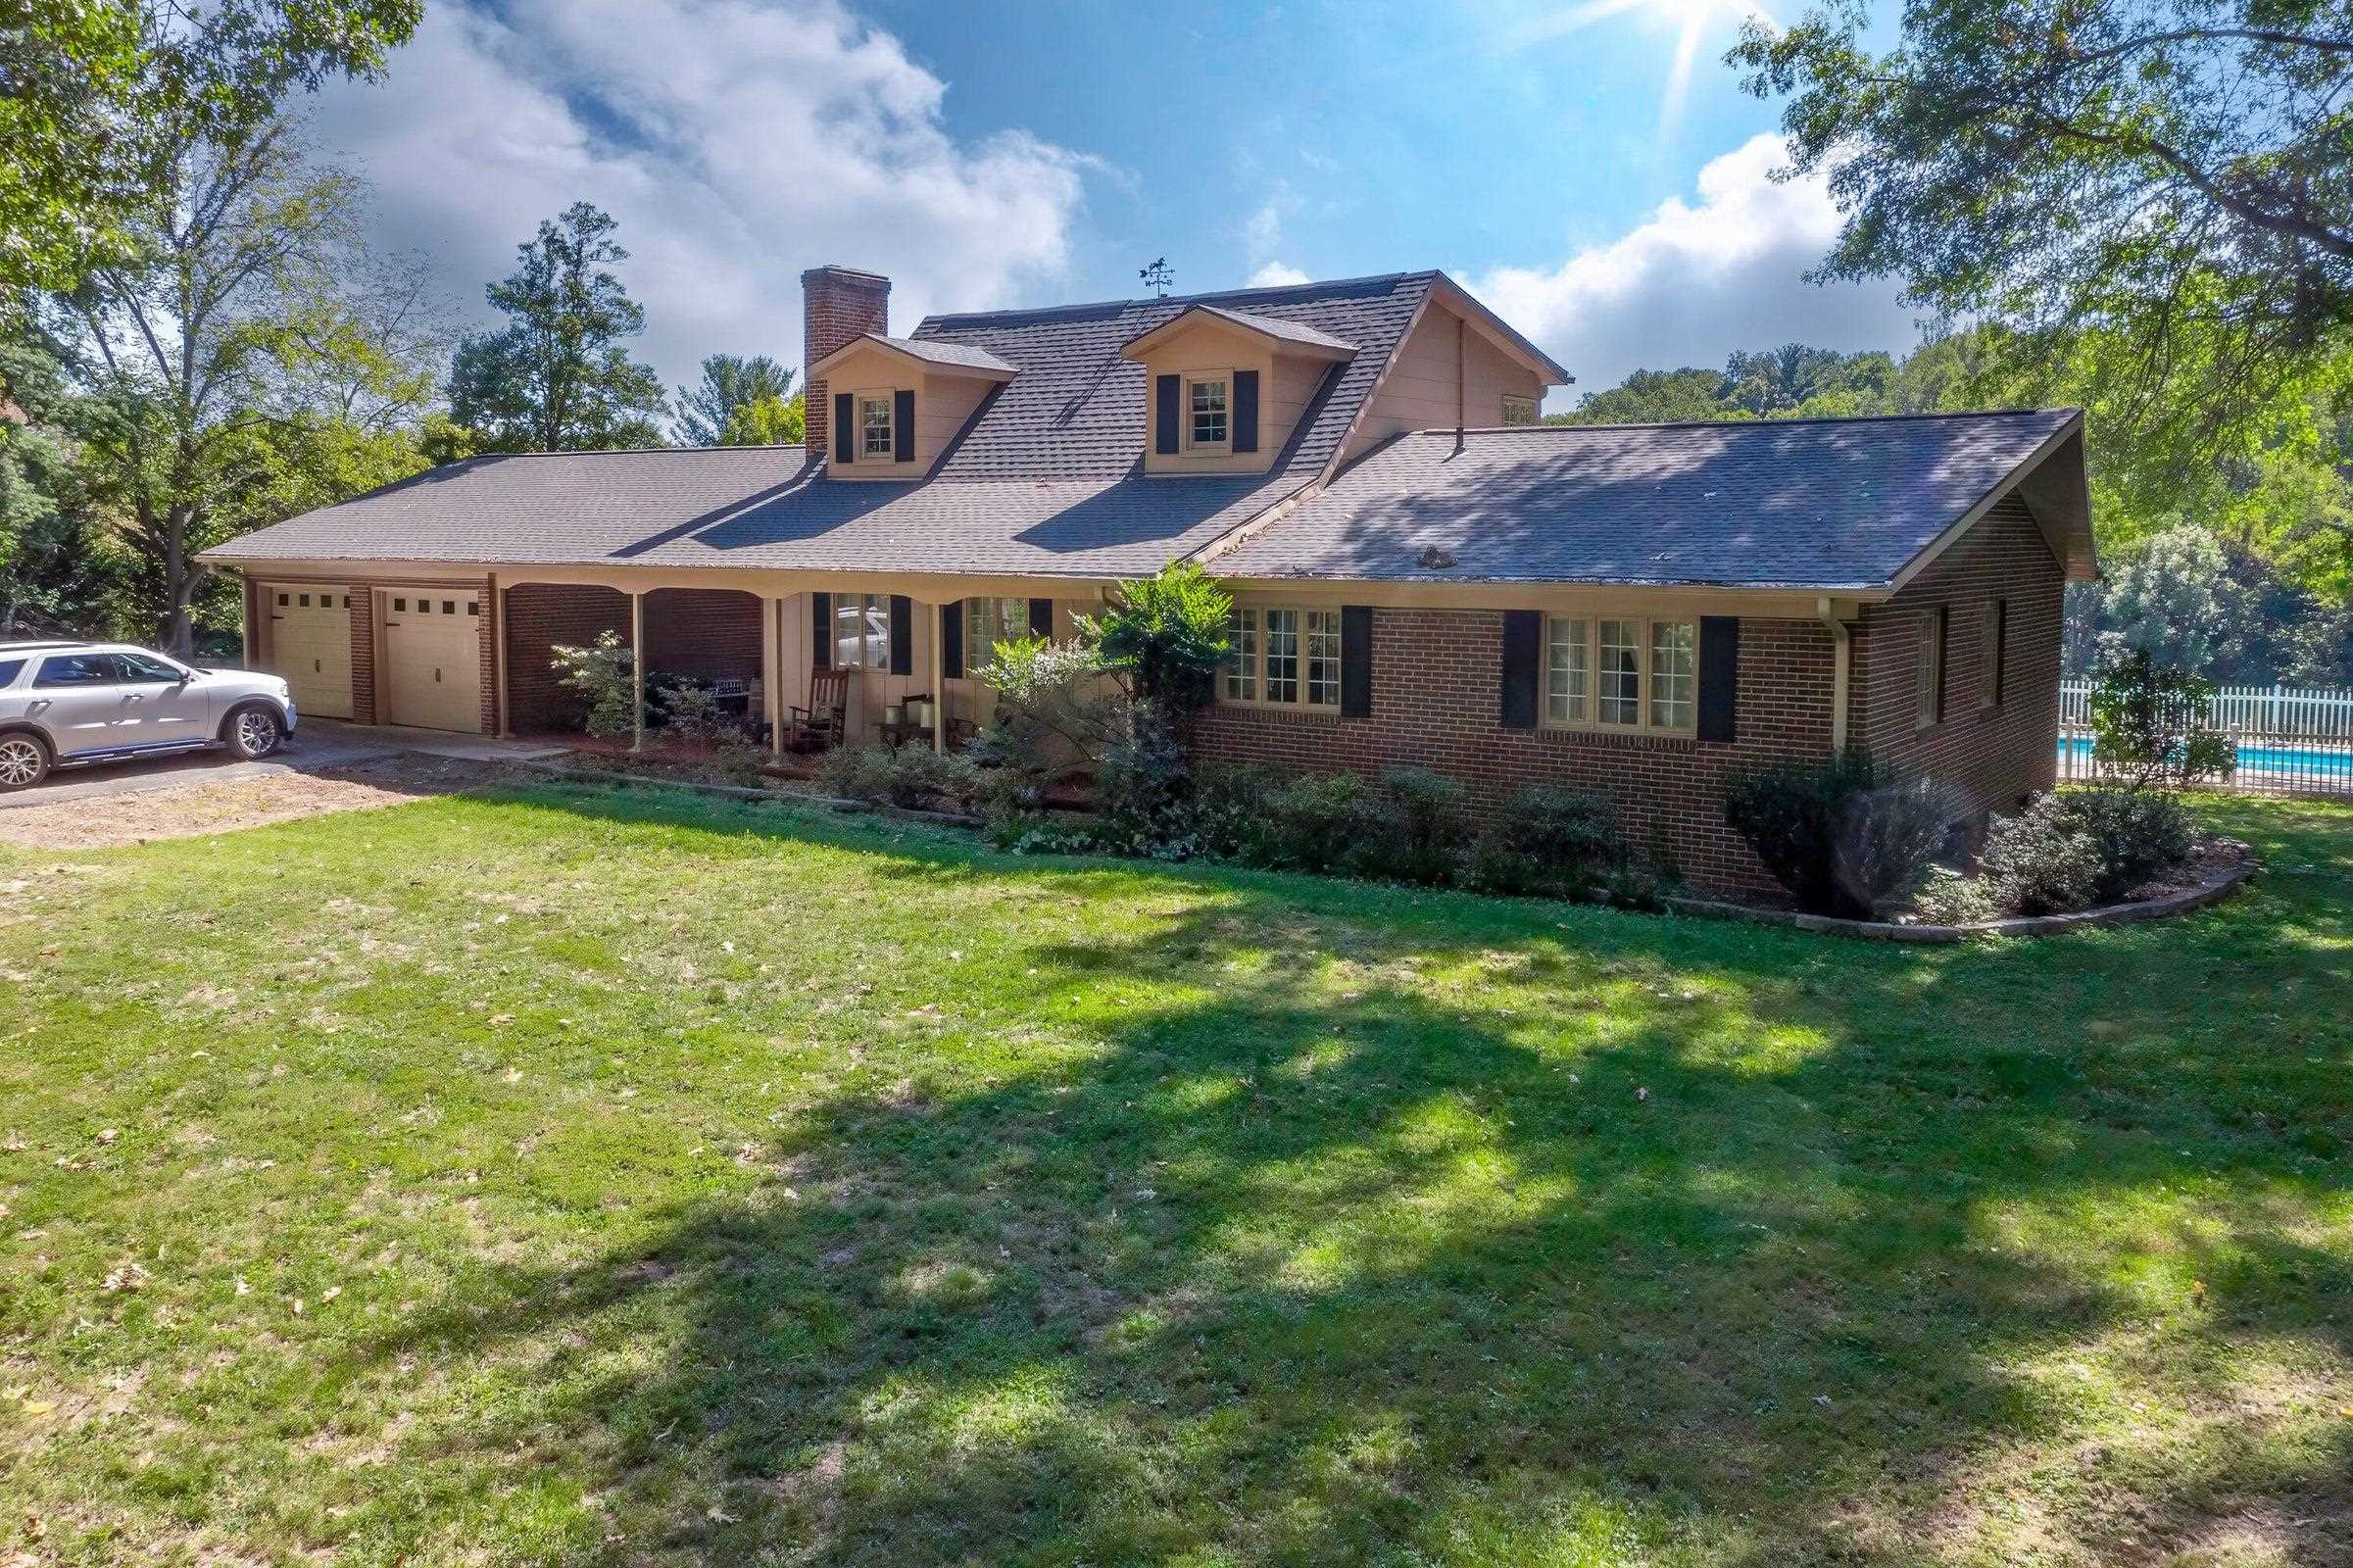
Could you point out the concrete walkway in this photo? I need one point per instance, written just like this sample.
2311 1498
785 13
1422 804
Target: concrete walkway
318 745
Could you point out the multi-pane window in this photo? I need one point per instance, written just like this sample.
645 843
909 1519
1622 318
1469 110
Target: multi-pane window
1206 409
1929 669
875 425
988 622
1242 653
1621 667
1568 671
1520 410
1323 657
1622 673
1283 655
1674 673
861 631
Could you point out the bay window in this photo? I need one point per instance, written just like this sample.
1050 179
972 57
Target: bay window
1622 673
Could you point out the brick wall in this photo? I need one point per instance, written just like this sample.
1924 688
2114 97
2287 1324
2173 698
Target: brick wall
540 615
838 304
363 652
1993 756
1436 703
712 633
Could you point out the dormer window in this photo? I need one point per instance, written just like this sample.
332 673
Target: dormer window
875 441
1209 424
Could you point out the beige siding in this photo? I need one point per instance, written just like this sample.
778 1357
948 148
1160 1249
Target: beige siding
944 404
1447 371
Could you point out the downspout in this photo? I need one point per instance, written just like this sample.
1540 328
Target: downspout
1462 380
1841 665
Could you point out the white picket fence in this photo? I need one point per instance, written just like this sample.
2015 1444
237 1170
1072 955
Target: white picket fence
2282 713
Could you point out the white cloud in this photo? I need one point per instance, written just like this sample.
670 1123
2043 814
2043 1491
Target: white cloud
1693 282
1278 274
735 143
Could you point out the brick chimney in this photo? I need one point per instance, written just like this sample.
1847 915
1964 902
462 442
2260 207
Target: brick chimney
838 305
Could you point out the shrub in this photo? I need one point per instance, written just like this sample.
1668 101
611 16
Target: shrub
858 773
1232 816
1946 897
1547 842
1144 798
1315 821
1888 837
2136 834
1167 634
602 674
2039 862
921 777
2148 725
1808 821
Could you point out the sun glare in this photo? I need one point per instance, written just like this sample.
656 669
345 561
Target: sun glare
1692 20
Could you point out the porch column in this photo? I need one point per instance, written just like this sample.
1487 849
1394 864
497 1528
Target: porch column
771 670
637 671
939 685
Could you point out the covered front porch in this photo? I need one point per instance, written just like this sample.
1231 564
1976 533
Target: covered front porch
899 663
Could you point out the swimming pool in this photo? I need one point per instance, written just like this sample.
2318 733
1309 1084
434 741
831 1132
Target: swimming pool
2332 764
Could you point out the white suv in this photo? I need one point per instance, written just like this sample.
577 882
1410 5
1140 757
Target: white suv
66 703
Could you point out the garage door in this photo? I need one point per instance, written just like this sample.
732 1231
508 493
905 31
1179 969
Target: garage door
310 645
433 660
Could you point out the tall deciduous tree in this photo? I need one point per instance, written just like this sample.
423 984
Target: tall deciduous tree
243 360
730 385
558 378
2157 192
97 98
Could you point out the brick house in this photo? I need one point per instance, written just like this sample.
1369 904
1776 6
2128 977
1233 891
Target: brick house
1422 573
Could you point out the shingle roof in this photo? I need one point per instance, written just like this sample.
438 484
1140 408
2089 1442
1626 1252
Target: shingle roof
1801 502
1046 481
1270 325
941 352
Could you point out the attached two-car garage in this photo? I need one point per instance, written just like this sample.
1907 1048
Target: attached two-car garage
423 646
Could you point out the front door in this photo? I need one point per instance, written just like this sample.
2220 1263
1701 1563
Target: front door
433 660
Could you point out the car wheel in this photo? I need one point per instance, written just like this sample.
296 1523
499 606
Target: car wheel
254 732
23 761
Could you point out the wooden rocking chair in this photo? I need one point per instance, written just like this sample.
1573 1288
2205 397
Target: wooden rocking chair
821 725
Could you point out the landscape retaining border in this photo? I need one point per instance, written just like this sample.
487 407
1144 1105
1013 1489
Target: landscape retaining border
2218 886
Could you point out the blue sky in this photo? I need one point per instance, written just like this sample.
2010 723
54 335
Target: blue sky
1028 152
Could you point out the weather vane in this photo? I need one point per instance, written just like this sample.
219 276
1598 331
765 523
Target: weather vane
1159 277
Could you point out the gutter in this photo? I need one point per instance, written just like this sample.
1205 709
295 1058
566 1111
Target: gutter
1842 644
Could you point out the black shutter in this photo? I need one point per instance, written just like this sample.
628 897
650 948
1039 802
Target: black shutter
1523 650
820 627
1165 415
1356 661
1246 410
952 641
845 440
903 635
1041 617
1719 677
902 427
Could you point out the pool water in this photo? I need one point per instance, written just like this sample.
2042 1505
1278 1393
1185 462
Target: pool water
2310 761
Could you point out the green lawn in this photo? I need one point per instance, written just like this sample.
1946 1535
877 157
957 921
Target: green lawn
569 1177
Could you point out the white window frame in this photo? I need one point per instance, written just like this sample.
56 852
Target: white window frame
870 640
888 398
1585 717
1223 380
988 622
1254 629
1535 408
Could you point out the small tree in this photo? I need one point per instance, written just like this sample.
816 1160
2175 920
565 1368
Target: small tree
604 672
2149 726
1166 636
